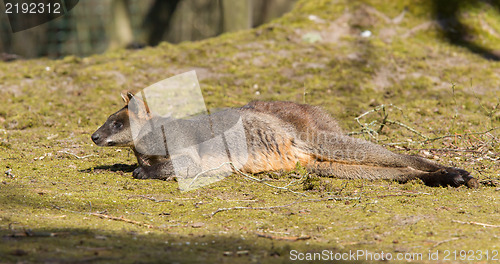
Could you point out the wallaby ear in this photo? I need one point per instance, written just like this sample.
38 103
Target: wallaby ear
128 97
137 106
125 98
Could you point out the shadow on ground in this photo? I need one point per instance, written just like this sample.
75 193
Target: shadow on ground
118 167
446 13
94 246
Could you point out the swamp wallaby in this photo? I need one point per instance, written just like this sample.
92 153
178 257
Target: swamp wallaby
279 135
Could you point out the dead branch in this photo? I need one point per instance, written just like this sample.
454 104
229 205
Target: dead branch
396 192
265 183
94 248
250 208
399 194
121 218
444 241
78 157
294 182
445 150
358 243
108 217
414 192
407 127
465 134
475 223
154 199
443 137
285 188
208 170
29 233
329 198
286 238
366 127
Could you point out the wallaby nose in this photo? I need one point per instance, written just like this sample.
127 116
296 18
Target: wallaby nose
95 137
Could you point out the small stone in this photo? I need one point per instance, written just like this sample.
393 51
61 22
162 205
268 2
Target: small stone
197 225
366 34
242 252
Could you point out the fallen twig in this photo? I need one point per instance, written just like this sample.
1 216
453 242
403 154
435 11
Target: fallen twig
285 188
407 127
154 199
294 182
265 183
287 238
351 243
78 157
399 194
95 249
443 137
366 127
121 218
29 233
415 192
330 198
445 150
208 170
108 217
465 134
475 223
250 208
444 241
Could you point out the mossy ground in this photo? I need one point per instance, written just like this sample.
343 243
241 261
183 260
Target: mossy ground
52 202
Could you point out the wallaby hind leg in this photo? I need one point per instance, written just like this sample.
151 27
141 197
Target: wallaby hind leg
442 177
347 157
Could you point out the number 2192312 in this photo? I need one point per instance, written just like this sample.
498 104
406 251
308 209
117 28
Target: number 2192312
33 8
471 255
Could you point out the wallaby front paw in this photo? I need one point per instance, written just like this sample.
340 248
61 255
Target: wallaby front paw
151 173
140 173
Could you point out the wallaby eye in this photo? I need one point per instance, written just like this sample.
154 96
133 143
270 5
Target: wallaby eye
117 125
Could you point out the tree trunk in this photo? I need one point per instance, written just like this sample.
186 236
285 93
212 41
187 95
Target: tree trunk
121 29
237 14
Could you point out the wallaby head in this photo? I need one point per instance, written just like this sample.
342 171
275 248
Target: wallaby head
116 130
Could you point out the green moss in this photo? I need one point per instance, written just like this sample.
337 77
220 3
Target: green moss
50 108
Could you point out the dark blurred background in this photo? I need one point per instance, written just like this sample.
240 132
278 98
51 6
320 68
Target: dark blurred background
95 26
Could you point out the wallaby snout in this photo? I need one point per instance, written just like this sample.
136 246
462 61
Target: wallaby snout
95 137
